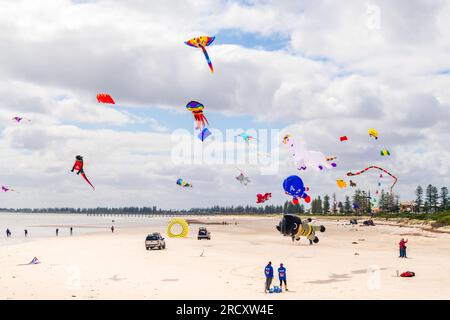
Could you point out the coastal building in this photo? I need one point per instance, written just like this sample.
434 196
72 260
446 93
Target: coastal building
407 206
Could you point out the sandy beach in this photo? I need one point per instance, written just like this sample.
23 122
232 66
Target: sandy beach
348 263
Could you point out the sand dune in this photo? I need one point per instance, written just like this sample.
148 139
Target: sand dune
348 263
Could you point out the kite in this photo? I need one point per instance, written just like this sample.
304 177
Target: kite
373 133
304 158
293 186
352 184
205 133
343 138
34 261
385 153
184 228
105 98
355 205
6 189
330 158
19 119
261 198
374 167
243 179
292 225
79 167
184 184
245 136
197 110
202 43
341 183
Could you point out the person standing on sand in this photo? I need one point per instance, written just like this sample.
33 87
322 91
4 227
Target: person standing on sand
8 233
268 271
282 276
112 229
71 230
57 231
26 233
402 245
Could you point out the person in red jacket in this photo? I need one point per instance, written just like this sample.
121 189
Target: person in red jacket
402 245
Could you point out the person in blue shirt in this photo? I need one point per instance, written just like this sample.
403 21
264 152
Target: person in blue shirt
268 272
282 276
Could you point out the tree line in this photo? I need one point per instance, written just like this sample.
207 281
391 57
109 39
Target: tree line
433 201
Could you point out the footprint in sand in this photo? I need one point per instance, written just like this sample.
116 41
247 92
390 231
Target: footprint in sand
170 280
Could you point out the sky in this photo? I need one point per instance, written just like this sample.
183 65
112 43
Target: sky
317 70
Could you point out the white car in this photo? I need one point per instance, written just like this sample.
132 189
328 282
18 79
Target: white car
155 240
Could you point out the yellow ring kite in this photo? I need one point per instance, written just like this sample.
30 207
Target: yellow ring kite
184 228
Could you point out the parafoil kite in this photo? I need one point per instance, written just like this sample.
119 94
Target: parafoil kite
197 110
105 98
374 167
304 158
330 158
78 165
385 153
243 179
205 133
343 138
291 225
261 198
293 186
184 184
373 133
19 119
202 43
246 137
341 183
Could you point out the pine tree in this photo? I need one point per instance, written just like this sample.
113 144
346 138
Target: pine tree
444 198
326 204
428 198
419 200
347 205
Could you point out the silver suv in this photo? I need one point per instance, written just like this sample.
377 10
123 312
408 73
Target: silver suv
155 240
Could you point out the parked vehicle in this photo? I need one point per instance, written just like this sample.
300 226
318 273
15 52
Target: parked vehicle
155 240
203 234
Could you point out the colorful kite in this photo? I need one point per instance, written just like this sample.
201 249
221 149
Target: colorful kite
243 179
385 153
293 186
6 189
352 184
261 198
341 183
304 158
205 133
291 225
19 119
373 133
78 165
245 136
343 138
202 43
374 167
184 184
197 110
105 98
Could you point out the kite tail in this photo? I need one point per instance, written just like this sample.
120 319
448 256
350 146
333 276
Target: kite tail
207 59
87 180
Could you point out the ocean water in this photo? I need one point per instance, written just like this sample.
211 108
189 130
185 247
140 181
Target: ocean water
44 225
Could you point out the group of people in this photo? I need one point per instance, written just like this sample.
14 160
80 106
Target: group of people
268 272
